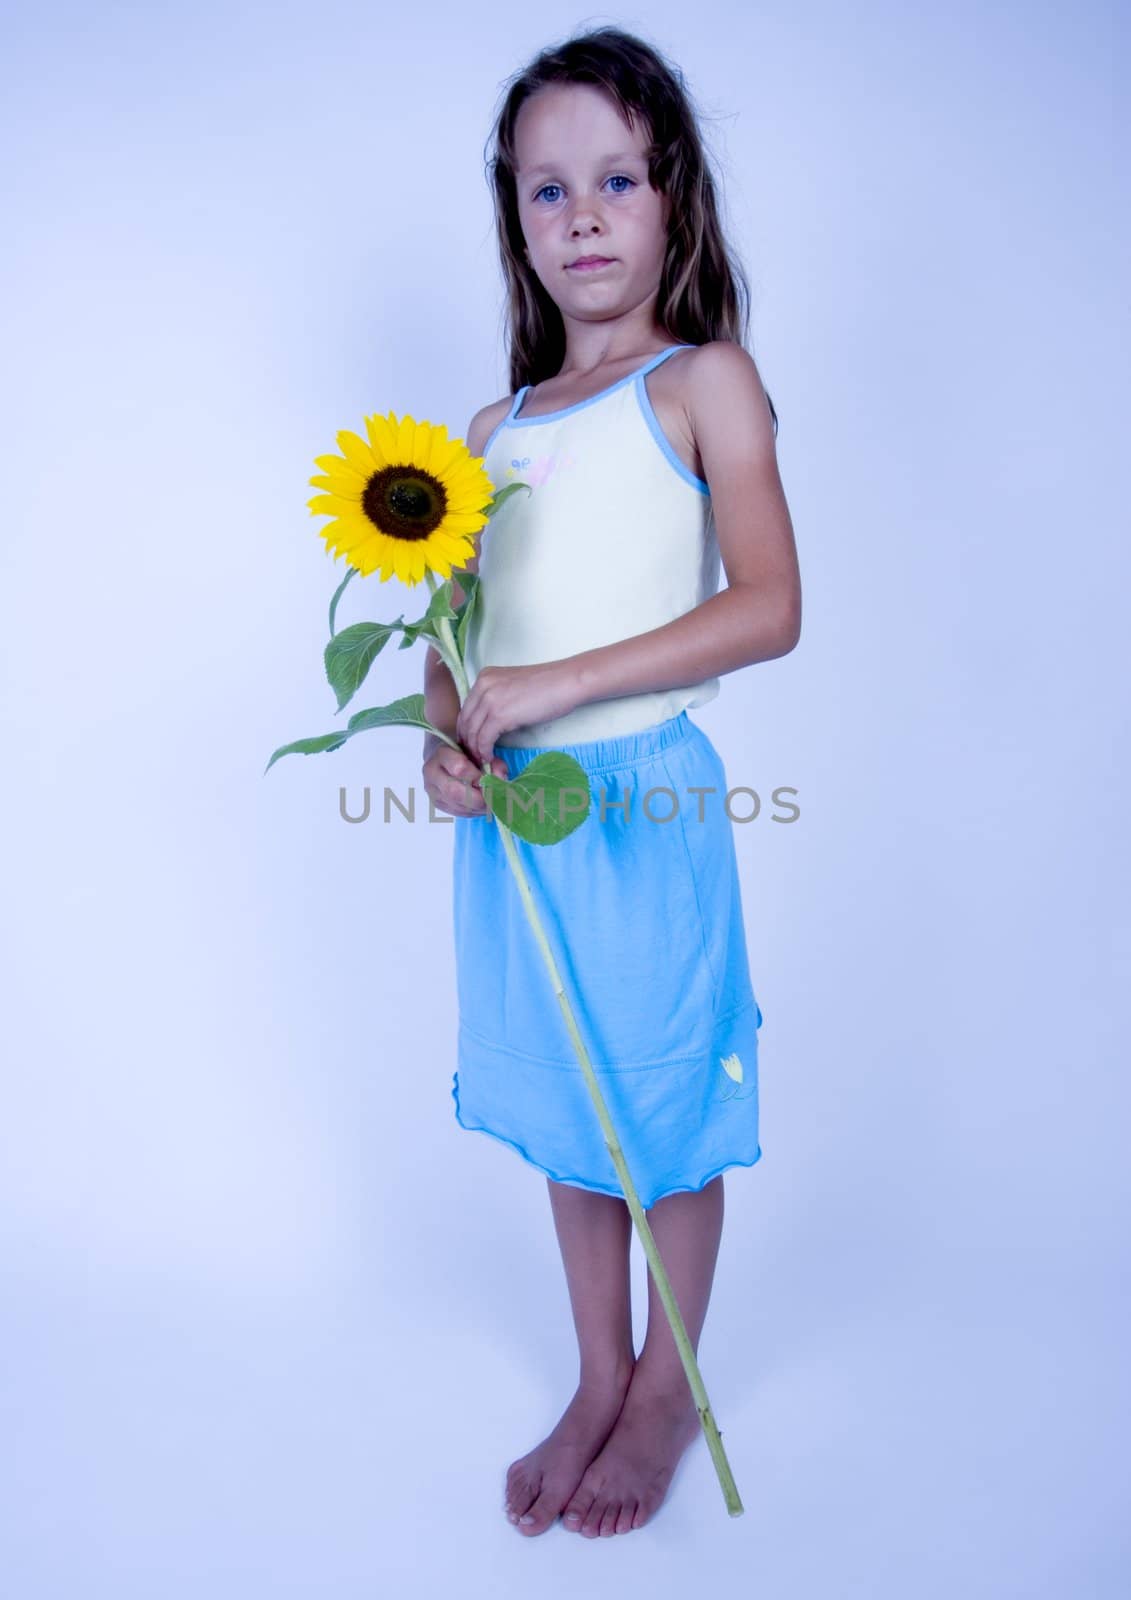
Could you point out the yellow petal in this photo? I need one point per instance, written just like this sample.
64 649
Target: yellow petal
376 442
328 505
437 455
338 464
346 481
356 452
463 521
384 439
405 439
349 488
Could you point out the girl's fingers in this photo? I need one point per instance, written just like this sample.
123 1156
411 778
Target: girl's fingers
453 787
471 794
461 794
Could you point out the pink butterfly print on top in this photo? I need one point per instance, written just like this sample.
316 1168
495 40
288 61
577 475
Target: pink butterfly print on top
537 470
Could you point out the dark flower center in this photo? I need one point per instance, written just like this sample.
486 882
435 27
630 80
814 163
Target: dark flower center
405 505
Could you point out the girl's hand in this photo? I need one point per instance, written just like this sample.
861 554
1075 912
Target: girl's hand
452 780
503 698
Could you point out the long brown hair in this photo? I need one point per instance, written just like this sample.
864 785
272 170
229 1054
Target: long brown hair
703 293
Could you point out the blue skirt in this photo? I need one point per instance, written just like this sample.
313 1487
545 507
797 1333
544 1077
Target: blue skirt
643 912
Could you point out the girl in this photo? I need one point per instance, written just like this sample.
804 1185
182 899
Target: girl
641 425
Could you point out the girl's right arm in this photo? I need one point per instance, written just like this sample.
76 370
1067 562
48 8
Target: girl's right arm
451 776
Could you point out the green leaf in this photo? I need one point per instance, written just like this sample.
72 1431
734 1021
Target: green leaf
351 572
502 495
545 802
469 583
350 654
440 604
308 747
407 712
413 631
427 626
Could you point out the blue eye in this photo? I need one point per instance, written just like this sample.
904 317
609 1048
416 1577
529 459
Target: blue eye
617 177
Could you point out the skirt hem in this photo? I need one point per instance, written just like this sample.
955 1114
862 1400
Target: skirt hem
586 1183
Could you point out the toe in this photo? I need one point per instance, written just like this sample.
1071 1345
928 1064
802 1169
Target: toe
591 1526
538 1517
609 1520
521 1495
624 1521
577 1508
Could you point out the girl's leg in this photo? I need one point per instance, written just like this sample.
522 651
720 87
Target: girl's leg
594 1234
687 1229
627 1481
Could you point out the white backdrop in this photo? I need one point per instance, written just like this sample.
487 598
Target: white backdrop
274 1325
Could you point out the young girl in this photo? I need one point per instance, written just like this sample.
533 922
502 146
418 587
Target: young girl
641 425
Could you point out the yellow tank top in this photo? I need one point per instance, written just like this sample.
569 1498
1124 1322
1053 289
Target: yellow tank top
615 537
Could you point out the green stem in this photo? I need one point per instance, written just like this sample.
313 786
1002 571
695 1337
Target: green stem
639 1216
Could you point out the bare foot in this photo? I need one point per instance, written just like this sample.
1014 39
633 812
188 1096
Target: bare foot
540 1483
627 1481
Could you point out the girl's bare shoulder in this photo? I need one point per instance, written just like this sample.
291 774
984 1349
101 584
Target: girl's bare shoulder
484 423
691 390
672 388
720 366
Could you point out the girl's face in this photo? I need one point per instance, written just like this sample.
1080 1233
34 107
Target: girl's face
583 191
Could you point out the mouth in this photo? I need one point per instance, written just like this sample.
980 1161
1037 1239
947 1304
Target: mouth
589 263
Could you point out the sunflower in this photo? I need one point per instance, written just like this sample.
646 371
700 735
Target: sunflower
409 501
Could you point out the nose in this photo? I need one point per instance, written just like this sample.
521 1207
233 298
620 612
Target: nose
586 219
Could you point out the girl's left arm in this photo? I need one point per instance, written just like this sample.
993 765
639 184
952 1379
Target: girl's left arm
758 615
755 618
